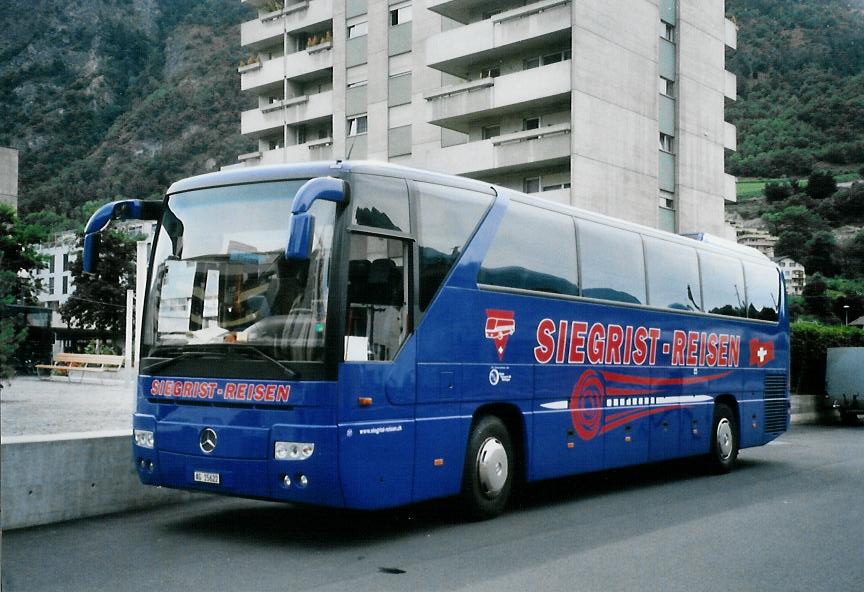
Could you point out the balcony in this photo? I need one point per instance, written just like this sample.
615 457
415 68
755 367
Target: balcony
310 151
730 136
730 188
521 151
455 107
299 66
293 111
730 86
461 10
523 29
731 34
308 15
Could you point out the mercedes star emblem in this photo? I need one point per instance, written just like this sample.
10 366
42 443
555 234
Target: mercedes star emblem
207 440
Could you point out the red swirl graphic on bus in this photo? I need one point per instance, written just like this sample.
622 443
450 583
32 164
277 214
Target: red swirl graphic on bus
586 404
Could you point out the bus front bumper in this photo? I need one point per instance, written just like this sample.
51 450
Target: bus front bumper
239 461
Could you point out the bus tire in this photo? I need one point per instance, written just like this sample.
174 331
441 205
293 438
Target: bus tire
724 440
487 479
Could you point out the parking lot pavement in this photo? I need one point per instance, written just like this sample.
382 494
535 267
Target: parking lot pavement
32 407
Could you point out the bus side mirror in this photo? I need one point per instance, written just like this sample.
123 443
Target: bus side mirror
300 240
302 222
127 209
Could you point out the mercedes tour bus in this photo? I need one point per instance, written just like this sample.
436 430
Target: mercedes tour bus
364 335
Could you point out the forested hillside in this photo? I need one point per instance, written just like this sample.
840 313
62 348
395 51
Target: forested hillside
800 68
117 97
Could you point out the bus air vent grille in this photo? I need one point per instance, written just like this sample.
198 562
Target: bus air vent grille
775 403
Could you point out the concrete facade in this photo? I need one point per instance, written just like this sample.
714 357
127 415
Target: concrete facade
9 177
616 107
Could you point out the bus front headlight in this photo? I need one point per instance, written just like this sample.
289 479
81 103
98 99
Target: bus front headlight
293 450
144 438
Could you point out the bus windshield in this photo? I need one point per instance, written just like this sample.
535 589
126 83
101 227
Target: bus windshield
220 280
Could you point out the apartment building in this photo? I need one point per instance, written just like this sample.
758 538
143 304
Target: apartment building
9 177
616 107
794 274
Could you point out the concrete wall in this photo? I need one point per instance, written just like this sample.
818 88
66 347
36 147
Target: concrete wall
49 479
9 177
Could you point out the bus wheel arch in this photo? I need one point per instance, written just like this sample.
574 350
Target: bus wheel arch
494 460
725 434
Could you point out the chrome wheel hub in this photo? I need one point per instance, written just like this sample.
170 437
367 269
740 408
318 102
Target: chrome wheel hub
492 467
724 439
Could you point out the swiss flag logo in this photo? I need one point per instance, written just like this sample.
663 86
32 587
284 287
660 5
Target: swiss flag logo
761 352
500 325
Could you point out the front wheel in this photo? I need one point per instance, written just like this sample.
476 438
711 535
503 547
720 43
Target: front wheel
724 440
487 480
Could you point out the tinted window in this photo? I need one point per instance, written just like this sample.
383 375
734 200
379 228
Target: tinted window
763 291
380 202
673 275
722 284
612 263
534 249
447 218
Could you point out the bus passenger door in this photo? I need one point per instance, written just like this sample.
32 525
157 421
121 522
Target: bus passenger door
377 384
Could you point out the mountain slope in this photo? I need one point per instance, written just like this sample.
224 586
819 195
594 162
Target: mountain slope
110 98
800 68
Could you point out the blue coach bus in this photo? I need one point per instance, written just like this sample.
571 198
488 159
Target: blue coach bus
363 335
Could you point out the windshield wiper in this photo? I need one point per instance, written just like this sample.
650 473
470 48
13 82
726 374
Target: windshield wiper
289 372
180 356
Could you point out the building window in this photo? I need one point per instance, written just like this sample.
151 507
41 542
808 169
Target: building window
666 200
51 285
667 31
666 142
357 125
666 87
358 30
301 134
492 72
400 15
531 123
490 131
65 284
65 261
274 145
531 63
556 186
531 185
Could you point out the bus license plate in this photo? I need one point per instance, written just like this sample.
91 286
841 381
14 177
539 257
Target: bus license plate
202 477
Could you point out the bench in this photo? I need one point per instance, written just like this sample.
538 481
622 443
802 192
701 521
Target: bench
68 364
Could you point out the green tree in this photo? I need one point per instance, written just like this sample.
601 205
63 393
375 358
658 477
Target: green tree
817 303
822 254
99 299
820 185
776 192
18 259
853 255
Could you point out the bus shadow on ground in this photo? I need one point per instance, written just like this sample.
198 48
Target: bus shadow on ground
319 528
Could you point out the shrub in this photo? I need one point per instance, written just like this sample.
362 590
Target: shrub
809 350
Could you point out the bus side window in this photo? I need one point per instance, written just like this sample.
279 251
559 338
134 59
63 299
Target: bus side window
673 275
377 319
380 202
447 219
613 267
763 291
534 249
722 284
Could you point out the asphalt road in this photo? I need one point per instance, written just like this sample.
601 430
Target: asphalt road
791 517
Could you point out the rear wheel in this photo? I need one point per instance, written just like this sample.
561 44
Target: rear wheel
487 480
724 439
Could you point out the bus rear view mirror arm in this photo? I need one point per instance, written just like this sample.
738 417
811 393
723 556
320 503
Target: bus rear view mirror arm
127 209
302 222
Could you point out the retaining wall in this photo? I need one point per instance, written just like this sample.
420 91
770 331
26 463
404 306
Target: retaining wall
46 479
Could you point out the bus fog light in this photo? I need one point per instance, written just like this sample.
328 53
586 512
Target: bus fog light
293 450
286 480
302 480
144 438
